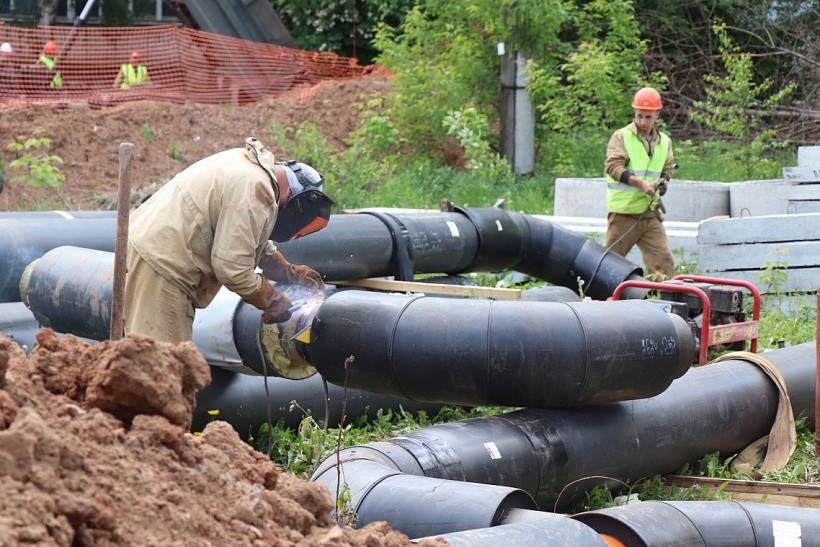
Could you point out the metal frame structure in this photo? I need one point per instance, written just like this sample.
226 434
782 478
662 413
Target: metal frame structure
709 335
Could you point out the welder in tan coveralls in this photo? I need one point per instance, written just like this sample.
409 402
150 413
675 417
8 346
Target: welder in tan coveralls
208 227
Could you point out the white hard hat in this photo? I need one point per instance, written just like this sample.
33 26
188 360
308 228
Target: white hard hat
6 48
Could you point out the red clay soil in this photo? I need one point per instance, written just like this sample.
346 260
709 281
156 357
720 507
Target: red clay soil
95 450
88 140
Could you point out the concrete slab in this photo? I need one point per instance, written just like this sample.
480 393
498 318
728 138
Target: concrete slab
770 197
808 156
686 200
808 174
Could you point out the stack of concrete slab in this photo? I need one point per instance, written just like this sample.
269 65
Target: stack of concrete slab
775 225
752 248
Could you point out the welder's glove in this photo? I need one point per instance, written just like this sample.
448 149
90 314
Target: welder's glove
278 311
274 305
283 271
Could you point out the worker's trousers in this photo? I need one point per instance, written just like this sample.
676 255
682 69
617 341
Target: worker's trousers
153 305
650 237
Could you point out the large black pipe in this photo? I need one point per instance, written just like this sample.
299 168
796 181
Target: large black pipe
717 408
381 244
547 529
487 239
690 523
428 505
507 353
18 324
242 401
60 215
438 350
25 239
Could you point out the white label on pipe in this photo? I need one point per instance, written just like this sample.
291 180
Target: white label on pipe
453 228
786 533
498 223
500 48
493 450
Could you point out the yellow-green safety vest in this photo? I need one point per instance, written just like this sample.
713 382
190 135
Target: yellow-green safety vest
132 76
57 80
625 198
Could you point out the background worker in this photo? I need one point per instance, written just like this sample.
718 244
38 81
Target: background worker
48 59
639 163
132 73
8 75
208 227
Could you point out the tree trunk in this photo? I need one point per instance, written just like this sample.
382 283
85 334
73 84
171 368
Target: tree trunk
46 11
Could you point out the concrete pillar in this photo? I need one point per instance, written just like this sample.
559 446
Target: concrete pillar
517 114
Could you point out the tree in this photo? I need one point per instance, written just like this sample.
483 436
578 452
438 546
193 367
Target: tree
345 27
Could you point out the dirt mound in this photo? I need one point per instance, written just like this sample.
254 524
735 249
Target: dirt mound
167 137
94 450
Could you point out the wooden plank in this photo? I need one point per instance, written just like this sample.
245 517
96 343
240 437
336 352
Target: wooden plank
764 229
796 495
756 256
433 288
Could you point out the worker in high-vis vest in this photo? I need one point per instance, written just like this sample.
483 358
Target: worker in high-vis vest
639 163
48 58
132 74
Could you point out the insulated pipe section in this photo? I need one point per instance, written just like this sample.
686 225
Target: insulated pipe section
18 324
485 239
380 244
447 506
242 401
691 523
65 215
718 408
25 239
507 353
69 290
549 529
564 258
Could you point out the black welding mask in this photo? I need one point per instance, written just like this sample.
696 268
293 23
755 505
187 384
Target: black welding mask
308 208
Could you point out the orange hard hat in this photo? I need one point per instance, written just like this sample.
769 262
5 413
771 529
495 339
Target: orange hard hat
647 98
51 47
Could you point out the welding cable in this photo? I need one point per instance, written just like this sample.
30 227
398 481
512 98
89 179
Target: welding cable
608 249
267 395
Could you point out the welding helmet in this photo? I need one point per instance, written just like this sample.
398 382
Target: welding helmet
308 208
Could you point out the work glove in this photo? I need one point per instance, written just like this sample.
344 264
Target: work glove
283 271
278 311
274 305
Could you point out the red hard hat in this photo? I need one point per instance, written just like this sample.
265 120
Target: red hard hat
51 47
647 98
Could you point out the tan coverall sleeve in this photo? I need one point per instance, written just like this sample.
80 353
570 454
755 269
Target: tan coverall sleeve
617 159
239 237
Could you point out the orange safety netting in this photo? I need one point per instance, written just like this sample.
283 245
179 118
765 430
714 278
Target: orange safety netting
184 65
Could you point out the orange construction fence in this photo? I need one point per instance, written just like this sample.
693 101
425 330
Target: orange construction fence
183 65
